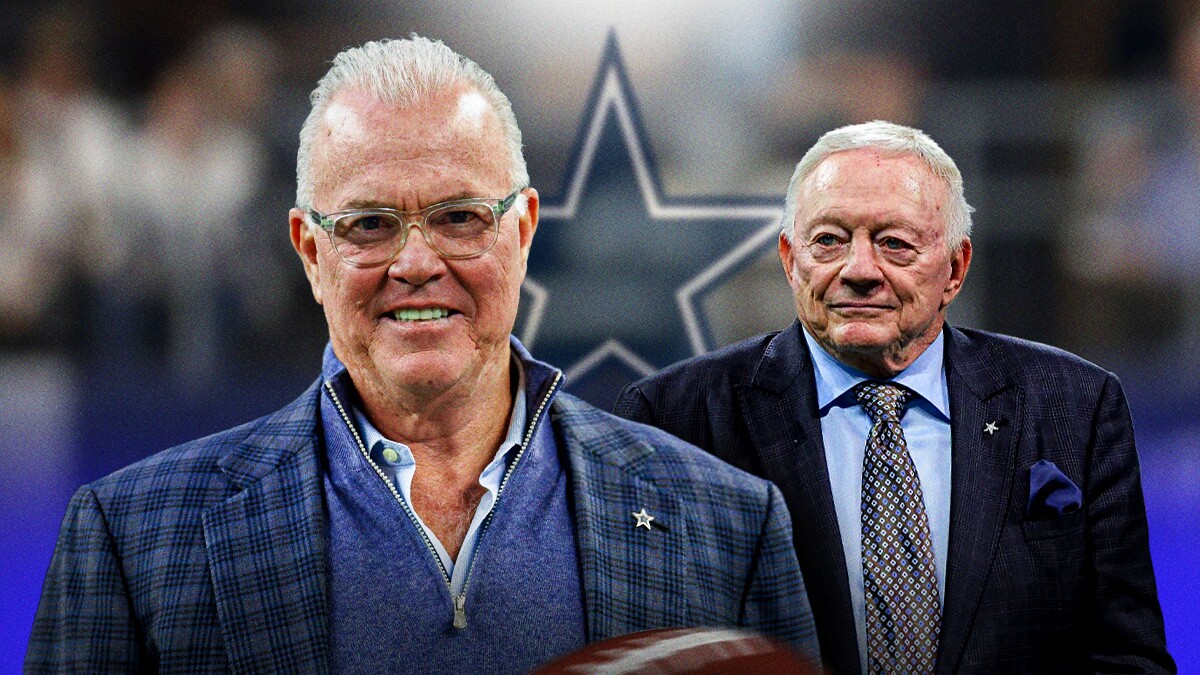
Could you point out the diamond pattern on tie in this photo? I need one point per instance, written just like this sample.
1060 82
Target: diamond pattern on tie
900 578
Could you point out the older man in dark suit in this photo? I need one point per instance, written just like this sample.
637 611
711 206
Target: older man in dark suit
962 501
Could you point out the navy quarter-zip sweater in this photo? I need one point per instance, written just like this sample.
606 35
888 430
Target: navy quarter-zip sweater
392 610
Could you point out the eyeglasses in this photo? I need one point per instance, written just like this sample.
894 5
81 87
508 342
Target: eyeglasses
457 230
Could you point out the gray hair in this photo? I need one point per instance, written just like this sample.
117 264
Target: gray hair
892 139
404 72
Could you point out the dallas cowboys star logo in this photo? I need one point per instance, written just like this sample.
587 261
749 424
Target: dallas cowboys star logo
643 519
618 269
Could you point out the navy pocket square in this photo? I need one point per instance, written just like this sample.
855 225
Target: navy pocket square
1051 492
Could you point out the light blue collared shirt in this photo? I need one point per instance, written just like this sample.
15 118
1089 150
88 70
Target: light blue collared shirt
844 428
398 464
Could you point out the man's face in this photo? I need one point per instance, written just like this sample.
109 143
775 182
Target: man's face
374 154
868 260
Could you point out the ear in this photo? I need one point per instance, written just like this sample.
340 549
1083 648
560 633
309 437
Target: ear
959 263
305 242
787 257
527 225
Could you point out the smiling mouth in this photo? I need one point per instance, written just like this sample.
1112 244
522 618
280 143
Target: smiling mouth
425 314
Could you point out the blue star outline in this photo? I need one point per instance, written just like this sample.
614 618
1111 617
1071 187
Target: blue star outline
618 270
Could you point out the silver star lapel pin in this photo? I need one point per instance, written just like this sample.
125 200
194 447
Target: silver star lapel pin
991 427
643 519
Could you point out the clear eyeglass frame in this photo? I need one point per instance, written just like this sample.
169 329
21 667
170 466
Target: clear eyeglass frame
386 250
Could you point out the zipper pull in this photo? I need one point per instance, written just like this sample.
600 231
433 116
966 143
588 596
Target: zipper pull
460 610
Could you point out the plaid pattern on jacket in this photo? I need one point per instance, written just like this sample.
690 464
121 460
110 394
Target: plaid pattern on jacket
211 556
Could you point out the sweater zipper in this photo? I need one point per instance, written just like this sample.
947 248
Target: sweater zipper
460 600
362 448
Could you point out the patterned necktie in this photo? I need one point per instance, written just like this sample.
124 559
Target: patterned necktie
899 576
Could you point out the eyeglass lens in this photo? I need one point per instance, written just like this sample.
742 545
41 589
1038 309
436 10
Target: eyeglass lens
455 230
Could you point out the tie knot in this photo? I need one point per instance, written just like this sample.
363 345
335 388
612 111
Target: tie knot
883 400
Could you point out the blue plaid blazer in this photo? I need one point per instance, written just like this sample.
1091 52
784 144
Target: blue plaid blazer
212 556
1027 589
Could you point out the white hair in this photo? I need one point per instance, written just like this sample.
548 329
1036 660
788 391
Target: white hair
891 139
404 72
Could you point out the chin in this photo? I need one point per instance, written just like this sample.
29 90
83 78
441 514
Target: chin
432 370
419 369
863 337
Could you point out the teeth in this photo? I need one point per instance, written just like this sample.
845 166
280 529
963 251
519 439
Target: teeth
421 314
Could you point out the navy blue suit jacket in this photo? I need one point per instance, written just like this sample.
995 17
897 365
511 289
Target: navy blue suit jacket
1026 590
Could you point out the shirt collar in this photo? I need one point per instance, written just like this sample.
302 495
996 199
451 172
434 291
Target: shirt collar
334 371
926 376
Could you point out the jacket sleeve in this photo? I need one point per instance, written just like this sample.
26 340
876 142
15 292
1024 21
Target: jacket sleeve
84 621
776 601
1128 632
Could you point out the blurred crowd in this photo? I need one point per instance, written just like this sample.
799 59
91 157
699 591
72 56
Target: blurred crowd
1132 241
150 224
143 204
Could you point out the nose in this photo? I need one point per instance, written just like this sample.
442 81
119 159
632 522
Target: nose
416 263
861 268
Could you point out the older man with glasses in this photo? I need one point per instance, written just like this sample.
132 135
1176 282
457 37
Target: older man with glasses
434 502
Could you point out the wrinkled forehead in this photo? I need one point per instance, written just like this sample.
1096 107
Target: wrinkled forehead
460 107
457 114
867 186
913 176
457 123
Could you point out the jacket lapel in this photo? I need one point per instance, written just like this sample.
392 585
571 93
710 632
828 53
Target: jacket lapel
779 405
633 577
981 399
266 547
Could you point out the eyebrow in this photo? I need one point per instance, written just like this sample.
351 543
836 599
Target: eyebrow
825 220
839 222
376 204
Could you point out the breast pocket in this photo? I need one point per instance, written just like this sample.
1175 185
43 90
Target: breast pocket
1057 559
1053 526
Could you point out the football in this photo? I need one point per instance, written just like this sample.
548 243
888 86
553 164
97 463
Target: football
717 651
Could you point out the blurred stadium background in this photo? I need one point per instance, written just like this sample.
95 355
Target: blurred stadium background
148 293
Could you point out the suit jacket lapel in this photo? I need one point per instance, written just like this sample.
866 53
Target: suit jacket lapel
981 398
632 576
779 405
266 547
